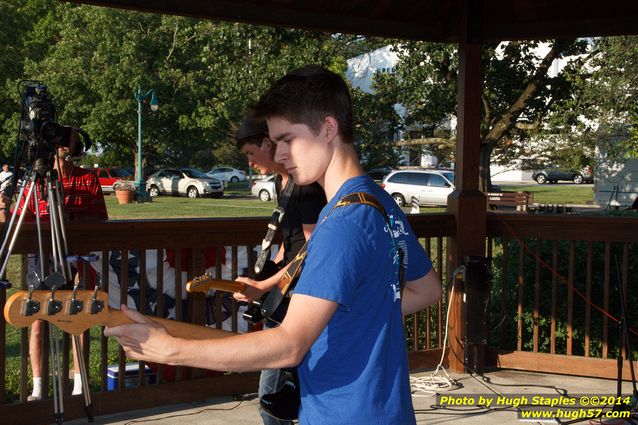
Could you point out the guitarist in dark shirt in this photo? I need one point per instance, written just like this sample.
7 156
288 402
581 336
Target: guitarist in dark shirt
300 217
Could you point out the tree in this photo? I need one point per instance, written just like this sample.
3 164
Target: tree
518 91
606 108
376 122
205 74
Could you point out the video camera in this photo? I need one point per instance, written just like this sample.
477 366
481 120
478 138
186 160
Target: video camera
39 128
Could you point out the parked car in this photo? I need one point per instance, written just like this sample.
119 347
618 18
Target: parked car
430 187
227 174
108 177
264 188
554 175
184 181
379 173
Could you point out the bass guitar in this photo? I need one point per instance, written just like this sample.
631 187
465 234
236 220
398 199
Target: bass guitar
76 311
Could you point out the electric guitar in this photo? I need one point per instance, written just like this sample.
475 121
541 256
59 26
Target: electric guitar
76 311
267 304
206 282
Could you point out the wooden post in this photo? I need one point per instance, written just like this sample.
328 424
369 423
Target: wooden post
467 203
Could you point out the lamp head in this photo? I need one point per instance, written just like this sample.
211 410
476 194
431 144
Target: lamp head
154 102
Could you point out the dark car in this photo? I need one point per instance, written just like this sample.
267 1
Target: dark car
379 173
554 175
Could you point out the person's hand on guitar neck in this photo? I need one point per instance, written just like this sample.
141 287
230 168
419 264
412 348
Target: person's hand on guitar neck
256 288
135 339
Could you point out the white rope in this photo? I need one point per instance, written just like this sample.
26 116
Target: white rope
430 385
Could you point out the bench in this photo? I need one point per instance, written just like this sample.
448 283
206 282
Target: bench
519 201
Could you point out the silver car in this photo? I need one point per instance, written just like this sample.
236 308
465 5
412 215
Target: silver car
184 181
429 187
264 188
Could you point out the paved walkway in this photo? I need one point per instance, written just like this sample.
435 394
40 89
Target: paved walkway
516 386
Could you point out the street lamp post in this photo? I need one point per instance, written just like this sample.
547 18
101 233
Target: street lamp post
140 185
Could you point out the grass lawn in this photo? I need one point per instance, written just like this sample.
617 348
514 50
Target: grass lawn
559 193
236 202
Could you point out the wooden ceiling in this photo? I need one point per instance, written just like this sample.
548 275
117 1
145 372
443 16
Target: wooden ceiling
431 20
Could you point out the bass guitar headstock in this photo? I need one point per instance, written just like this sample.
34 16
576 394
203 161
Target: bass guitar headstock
72 311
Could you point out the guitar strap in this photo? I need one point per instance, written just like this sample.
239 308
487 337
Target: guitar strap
273 226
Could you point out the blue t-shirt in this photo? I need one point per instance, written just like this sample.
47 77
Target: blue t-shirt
356 372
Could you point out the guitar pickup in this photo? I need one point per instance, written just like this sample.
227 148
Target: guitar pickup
75 307
31 307
54 307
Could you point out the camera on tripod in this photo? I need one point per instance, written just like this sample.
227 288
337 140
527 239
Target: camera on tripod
40 130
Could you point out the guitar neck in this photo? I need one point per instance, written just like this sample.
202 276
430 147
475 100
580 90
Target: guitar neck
93 311
174 327
205 283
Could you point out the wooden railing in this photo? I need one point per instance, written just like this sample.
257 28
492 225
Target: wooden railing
555 301
526 330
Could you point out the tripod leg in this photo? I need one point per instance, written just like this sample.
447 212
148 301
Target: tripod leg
56 376
85 378
15 234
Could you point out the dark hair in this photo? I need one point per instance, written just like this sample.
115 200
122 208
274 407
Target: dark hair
254 140
251 130
307 96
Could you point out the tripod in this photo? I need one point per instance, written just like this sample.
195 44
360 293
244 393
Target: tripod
624 342
45 179
623 334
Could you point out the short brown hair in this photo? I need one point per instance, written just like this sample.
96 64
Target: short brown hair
308 95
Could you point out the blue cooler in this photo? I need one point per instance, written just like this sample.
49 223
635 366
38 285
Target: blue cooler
131 376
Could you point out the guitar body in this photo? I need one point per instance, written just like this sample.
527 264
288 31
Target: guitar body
284 404
253 314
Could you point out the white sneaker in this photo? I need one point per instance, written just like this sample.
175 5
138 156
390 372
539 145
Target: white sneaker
33 398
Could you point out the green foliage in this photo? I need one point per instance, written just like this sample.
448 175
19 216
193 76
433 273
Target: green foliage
205 74
506 319
518 93
604 100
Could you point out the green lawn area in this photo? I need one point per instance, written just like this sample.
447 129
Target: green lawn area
236 202
566 193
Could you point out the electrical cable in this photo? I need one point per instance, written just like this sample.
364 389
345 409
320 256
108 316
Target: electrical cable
182 415
431 385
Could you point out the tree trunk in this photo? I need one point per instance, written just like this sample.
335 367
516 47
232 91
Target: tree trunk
485 177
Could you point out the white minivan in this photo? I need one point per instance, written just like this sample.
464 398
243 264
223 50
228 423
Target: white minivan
430 187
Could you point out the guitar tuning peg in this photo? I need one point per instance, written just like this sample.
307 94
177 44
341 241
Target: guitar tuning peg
33 281
55 280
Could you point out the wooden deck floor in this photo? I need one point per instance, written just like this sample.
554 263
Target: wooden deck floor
514 386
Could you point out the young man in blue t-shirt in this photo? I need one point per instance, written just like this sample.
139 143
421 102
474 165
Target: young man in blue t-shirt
344 328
